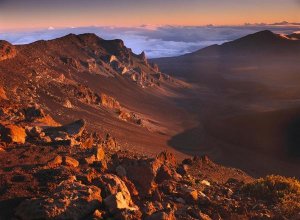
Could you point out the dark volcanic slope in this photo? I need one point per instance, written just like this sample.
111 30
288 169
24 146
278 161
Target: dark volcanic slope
84 76
247 102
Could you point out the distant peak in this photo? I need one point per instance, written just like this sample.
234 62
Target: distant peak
264 33
264 36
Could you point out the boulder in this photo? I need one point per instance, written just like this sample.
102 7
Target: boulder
33 112
70 200
36 114
182 169
2 94
69 161
90 160
110 143
189 194
117 196
97 156
66 133
75 128
67 104
164 173
167 157
203 216
118 202
98 214
100 154
131 187
205 183
144 172
88 143
11 133
57 161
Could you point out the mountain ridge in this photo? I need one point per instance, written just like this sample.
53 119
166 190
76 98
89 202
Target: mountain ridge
259 43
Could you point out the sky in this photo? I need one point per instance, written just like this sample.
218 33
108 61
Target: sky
161 28
17 14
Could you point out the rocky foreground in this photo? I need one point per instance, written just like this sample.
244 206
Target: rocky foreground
53 171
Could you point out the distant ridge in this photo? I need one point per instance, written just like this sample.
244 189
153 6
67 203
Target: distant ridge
259 43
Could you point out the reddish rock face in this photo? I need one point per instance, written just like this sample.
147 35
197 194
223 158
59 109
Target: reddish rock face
109 102
147 173
12 133
167 157
2 93
7 50
117 196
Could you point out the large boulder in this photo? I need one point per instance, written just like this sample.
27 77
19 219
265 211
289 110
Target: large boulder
11 133
116 194
74 129
7 50
70 200
37 115
66 133
147 173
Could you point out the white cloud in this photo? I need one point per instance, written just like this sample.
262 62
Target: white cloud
157 41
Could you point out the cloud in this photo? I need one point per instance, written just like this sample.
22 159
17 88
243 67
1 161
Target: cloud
157 41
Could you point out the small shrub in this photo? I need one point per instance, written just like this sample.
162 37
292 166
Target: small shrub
282 191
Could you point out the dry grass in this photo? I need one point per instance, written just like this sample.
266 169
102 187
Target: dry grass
284 192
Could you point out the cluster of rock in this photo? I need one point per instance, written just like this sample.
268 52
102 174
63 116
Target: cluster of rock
87 176
80 93
112 57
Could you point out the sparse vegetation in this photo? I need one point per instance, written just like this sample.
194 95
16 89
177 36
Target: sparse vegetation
282 191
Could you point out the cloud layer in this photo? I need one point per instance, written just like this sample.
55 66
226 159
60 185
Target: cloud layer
156 41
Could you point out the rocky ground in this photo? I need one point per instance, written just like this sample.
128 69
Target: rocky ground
53 171
72 113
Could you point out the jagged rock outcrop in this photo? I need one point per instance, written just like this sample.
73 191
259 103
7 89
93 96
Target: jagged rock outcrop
143 57
117 197
109 102
7 50
11 133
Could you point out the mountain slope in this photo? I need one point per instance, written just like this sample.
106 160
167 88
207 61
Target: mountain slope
84 76
247 101
258 44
